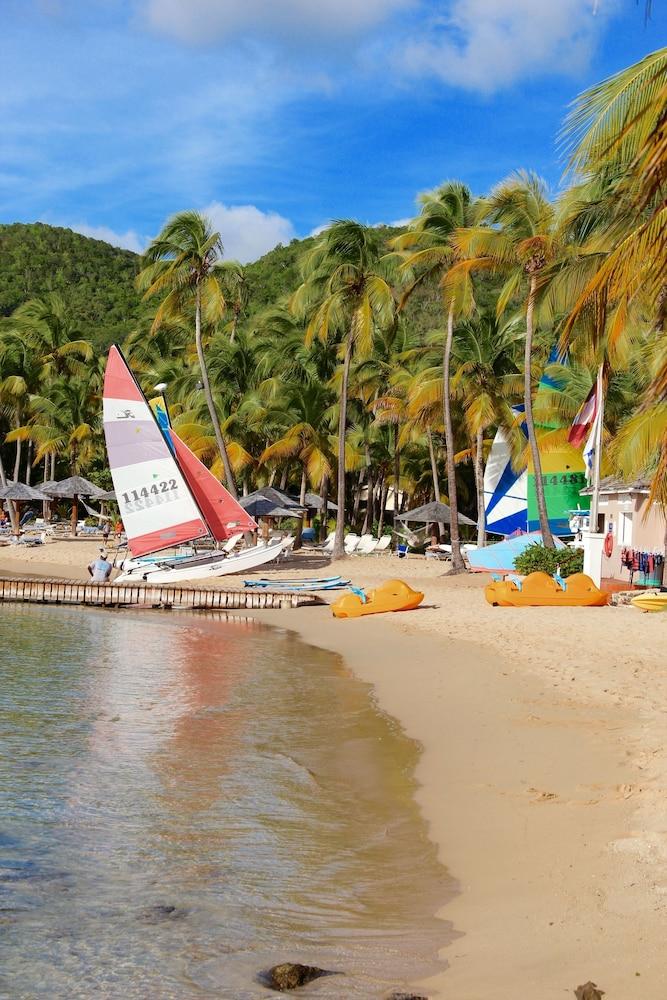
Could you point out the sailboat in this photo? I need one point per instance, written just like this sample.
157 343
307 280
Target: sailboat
166 496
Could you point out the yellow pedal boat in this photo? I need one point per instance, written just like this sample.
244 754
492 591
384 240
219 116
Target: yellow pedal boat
393 595
650 602
539 590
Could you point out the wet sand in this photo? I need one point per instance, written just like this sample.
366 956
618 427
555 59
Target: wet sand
542 776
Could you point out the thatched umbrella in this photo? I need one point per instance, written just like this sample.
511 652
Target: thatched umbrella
433 513
268 503
19 493
72 489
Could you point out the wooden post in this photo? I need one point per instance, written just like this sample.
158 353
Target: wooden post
75 515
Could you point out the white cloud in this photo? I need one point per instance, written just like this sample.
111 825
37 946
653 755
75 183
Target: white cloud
129 240
205 21
485 45
246 231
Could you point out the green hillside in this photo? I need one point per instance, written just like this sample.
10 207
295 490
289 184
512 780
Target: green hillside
96 279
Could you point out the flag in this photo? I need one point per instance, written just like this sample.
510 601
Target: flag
586 417
591 445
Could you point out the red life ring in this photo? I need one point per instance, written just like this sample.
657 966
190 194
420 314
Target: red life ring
608 544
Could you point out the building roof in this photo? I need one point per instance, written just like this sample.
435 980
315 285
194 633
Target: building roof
613 484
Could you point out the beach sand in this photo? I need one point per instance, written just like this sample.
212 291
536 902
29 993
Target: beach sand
543 774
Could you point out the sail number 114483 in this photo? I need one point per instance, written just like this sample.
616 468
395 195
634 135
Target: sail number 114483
164 486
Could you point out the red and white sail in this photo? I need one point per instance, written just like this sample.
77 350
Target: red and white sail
224 515
156 505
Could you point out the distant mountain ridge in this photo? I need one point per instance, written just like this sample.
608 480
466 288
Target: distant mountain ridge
97 280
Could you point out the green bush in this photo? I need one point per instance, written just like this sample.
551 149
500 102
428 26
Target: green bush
537 557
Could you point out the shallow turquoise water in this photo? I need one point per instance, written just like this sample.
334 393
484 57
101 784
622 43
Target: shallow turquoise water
187 801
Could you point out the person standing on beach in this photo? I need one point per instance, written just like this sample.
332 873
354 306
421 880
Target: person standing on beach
106 530
100 568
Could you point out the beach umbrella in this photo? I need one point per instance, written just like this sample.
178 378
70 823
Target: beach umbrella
19 493
268 503
433 513
72 489
499 558
314 502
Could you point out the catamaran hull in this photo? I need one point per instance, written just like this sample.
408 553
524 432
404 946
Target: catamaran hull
217 564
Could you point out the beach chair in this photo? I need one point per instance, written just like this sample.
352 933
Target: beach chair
351 543
232 542
366 545
288 545
382 545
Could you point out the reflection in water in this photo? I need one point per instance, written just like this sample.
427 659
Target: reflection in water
189 801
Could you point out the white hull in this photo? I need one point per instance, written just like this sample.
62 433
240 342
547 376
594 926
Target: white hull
200 568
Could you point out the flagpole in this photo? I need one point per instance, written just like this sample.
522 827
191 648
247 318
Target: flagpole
595 498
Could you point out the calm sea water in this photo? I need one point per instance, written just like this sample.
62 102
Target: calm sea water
185 802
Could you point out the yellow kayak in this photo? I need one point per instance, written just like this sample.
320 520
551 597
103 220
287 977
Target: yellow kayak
393 595
650 602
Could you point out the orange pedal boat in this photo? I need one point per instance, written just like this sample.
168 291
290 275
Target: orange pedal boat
539 590
393 595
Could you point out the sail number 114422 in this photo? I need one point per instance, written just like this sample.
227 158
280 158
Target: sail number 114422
164 486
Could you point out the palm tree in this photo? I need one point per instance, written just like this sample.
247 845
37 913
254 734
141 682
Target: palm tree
444 211
344 294
518 237
304 437
235 289
184 262
485 380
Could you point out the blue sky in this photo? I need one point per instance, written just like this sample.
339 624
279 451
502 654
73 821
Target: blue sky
277 115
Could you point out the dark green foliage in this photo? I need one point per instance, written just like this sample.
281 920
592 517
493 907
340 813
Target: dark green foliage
537 557
95 279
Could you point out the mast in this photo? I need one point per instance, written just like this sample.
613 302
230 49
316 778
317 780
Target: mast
597 455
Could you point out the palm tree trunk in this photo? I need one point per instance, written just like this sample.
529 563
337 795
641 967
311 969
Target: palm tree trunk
367 526
17 459
53 466
302 501
28 464
3 477
547 537
434 474
324 497
383 504
397 472
339 538
479 484
457 558
283 476
217 430
434 465
357 497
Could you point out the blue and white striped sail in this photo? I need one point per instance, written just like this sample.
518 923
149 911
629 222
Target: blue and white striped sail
505 490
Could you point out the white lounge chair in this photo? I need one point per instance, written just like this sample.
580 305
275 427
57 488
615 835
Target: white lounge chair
232 542
366 545
288 545
351 543
382 545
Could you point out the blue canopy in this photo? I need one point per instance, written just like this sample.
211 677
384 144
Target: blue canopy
499 558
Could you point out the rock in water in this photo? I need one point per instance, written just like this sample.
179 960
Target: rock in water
290 975
588 991
406 996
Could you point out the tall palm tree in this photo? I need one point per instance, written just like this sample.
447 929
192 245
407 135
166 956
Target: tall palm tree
184 264
518 236
485 381
345 295
444 211
236 291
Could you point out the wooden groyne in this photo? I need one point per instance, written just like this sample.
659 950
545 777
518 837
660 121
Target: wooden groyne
110 595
